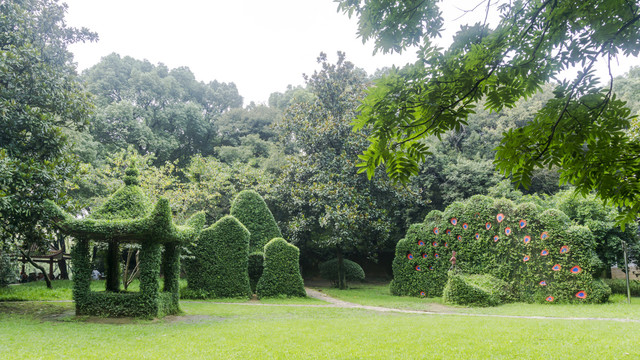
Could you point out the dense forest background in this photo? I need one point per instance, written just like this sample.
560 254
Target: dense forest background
199 145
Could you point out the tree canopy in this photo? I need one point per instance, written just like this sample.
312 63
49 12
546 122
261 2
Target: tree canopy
581 129
39 97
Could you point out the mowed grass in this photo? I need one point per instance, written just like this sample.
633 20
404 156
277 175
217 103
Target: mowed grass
63 290
379 295
221 331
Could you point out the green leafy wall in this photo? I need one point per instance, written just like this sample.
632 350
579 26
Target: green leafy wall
281 275
220 264
541 254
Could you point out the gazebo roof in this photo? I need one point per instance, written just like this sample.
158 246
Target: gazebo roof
128 216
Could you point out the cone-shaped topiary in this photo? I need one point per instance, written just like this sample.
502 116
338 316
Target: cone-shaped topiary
281 275
251 210
220 264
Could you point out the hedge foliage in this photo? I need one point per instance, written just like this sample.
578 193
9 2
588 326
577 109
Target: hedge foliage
251 210
619 286
127 216
476 290
329 271
540 254
221 260
281 275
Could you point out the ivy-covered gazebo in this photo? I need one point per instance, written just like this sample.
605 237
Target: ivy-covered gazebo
128 217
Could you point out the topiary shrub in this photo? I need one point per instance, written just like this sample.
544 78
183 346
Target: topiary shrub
256 266
329 271
476 290
541 254
251 210
221 259
128 217
281 275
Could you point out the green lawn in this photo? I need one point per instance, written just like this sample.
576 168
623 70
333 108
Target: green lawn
221 331
212 330
379 295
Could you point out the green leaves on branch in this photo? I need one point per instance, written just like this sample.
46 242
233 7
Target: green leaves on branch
580 130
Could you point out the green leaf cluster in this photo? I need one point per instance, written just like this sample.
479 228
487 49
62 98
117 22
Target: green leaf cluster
581 130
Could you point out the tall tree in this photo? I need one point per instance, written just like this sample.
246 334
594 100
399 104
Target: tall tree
580 130
158 110
323 202
39 96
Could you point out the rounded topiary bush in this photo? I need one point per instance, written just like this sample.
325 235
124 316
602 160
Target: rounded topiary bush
281 275
329 271
220 260
251 210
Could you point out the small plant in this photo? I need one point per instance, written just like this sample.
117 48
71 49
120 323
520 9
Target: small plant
329 271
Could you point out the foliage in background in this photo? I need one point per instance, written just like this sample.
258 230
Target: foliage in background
281 275
619 286
39 97
352 271
157 110
581 130
321 202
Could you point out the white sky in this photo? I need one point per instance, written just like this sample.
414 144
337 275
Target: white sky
261 46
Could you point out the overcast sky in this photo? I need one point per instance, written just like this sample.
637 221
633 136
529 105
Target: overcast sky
261 46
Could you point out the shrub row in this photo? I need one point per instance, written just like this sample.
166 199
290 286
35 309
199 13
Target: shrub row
619 286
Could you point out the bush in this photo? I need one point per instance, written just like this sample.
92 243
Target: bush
329 271
541 254
251 210
221 260
619 286
281 276
476 290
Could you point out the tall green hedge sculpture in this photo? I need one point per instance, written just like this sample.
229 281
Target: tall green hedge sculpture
220 264
540 254
127 216
251 210
281 276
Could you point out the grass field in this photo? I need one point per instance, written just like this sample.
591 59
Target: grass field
45 330
379 295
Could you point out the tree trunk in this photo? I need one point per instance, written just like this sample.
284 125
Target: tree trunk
113 267
342 283
62 263
35 265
